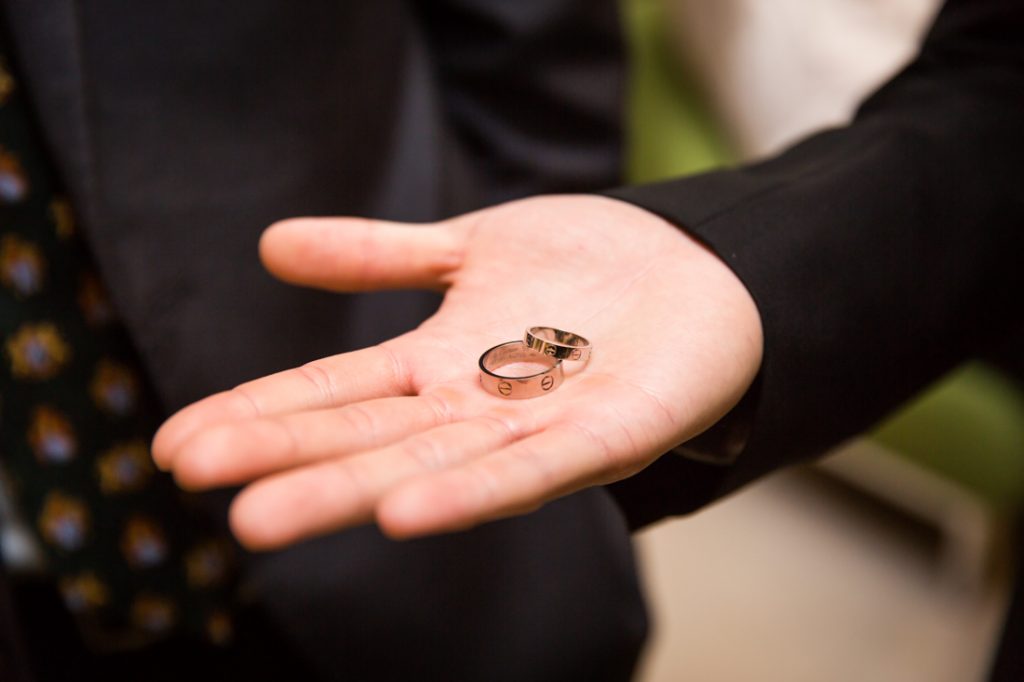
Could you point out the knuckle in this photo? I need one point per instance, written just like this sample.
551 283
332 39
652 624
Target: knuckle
320 379
426 452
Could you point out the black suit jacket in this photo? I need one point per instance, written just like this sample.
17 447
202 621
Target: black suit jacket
182 129
879 254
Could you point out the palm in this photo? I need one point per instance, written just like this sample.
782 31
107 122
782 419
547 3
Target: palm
404 432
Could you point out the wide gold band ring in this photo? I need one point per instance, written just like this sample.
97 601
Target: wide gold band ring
558 344
518 386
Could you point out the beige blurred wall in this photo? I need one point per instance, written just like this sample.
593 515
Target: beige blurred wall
778 69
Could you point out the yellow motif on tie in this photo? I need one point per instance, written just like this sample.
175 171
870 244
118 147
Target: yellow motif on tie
64 522
83 592
13 183
219 628
37 351
22 267
7 83
124 468
143 543
206 564
114 388
94 302
63 218
51 436
154 613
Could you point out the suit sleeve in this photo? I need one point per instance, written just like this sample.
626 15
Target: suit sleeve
533 90
879 254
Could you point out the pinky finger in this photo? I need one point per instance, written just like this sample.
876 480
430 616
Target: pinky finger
514 480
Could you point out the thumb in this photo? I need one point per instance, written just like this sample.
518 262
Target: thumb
357 254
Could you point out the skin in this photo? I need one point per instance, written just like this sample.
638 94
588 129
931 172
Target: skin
403 434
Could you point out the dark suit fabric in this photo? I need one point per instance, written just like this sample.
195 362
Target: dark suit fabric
879 254
183 129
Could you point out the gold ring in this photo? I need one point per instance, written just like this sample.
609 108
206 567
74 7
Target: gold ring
518 386
558 344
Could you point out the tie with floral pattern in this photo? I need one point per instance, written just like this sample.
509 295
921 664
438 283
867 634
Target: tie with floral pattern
76 415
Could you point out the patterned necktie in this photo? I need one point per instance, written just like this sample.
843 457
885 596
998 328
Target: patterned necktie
76 416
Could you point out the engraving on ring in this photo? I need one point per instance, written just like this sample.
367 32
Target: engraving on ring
550 350
547 382
505 388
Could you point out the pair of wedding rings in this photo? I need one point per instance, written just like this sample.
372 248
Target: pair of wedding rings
544 346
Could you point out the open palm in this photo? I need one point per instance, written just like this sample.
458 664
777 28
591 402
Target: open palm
403 432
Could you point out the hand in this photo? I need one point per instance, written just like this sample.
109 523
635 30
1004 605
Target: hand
403 432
